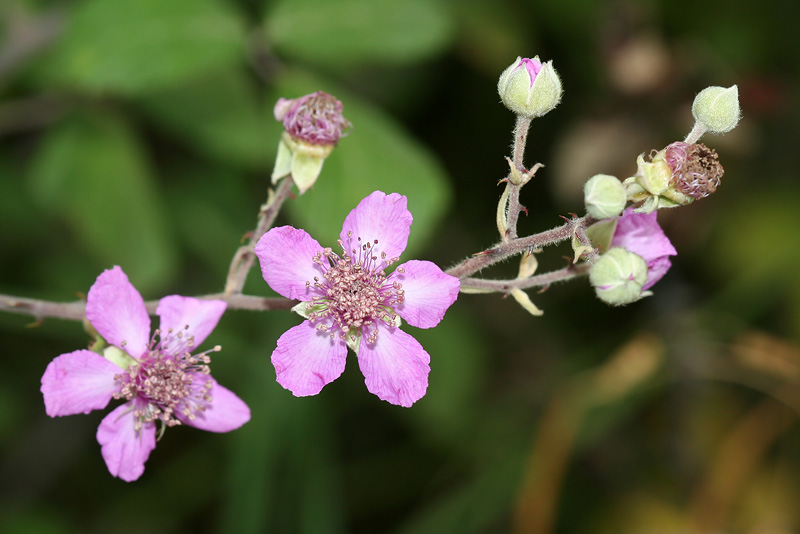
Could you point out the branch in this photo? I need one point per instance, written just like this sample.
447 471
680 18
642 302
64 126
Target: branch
541 280
501 251
244 257
76 311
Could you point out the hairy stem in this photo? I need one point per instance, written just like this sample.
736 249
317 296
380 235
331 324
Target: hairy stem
244 257
76 310
541 280
504 250
517 160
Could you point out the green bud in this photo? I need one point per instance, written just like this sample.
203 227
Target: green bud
618 277
529 87
604 196
717 108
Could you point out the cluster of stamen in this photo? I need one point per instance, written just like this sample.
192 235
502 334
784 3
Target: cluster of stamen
353 291
162 383
696 170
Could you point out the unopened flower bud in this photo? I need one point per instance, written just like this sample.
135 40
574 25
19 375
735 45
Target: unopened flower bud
313 124
529 87
604 196
618 277
717 108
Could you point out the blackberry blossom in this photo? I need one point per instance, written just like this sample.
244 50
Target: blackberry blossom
349 300
161 381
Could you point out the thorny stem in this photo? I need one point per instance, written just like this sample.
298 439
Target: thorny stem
244 257
513 206
541 280
76 311
506 249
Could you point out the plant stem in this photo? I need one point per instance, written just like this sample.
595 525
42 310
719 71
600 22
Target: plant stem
76 311
517 156
504 250
244 257
541 280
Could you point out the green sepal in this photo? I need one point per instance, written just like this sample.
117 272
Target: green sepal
118 356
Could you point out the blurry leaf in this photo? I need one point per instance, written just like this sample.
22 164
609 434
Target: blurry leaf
346 32
91 171
219 115
133 46
377 155
214 213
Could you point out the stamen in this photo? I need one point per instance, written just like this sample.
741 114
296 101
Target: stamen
353 291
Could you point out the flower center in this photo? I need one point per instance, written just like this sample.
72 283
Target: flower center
167 382
354 291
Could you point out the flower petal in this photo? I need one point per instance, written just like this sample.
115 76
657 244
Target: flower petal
224 413
117 312
395 367
382 217
194 318
286 257
656 270
78 382
428 292
306 359
124 449
641 234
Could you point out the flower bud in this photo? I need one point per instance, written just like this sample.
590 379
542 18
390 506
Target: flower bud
618 277
717 108
604 196
313 125
529 87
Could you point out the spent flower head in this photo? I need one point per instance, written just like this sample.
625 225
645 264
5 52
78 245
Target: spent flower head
313 125
675 176
349 300
160 379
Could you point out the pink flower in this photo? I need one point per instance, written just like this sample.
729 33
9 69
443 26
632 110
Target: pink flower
161 381
640 233
349 301
315 118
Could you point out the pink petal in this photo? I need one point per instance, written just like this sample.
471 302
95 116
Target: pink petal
382 217
306 359
193 318
78 382
286 256
395 367
117 312
640 233
124 449
224 413
429 292
656 271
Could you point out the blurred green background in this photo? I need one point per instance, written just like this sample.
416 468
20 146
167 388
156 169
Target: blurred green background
140 133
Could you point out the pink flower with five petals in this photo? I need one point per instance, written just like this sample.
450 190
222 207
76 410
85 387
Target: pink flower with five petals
162 381
348 300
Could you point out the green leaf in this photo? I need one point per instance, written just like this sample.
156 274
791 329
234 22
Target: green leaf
377 155
91 172
219 115
346 32
134 46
